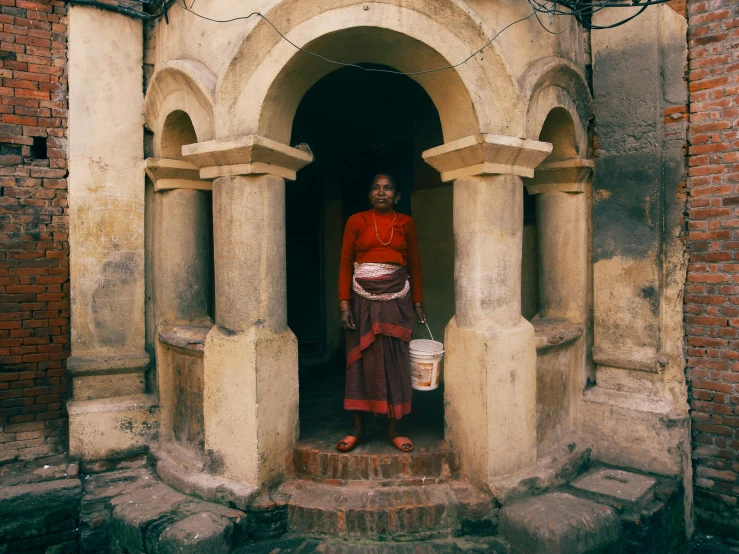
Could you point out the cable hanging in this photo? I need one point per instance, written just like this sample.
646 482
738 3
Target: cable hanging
581 11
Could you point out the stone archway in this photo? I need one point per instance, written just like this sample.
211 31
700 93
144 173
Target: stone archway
250 391
259 94
557 112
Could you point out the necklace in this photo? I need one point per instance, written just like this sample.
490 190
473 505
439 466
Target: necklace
392 228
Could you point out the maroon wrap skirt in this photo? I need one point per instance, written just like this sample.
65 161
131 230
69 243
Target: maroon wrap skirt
378 375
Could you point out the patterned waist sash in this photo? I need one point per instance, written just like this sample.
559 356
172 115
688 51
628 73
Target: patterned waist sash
375 271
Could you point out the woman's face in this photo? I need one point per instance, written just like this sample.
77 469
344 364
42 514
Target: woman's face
383 195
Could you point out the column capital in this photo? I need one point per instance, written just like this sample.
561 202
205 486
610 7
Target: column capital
167 174
247 155
562 176
487 154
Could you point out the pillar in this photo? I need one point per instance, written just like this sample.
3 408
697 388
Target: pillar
181 264
182 239
110 414
251 356
490 366
562 219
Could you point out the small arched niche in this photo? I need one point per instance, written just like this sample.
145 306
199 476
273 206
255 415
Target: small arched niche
558 203
559 130
183 285
177 131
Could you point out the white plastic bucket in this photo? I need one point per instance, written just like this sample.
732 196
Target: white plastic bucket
426 356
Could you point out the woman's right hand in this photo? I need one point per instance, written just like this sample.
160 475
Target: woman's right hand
347 320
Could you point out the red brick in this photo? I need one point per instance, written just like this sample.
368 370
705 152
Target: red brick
34 288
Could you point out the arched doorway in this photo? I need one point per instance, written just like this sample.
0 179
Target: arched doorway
358 124
479 109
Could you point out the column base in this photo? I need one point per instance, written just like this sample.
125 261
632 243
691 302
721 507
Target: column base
111 427
250 404
636 431
490 399
108 376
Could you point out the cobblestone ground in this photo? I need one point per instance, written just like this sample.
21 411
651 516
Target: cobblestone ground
709 544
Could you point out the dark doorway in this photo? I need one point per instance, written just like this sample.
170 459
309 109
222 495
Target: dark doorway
357 124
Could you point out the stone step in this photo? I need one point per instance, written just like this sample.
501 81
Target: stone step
396 513
604 510
559 523
616 487
379 462
131 511
650 507
307 545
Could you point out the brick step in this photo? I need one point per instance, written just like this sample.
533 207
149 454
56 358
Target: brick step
430 463
395 513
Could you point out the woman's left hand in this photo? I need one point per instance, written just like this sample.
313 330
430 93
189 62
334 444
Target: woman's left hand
420 314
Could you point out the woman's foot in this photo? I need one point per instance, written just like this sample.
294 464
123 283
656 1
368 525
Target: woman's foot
403 444
349 443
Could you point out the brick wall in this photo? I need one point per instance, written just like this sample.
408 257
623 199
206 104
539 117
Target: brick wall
34 252
712 289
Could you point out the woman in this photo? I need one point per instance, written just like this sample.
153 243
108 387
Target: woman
379 290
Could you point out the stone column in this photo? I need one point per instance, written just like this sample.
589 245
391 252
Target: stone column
181 265
490 366
182 238
251 357
109 413
562 220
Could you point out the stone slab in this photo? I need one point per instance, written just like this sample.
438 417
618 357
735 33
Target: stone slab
31 497
559 523
206 487
616 483
112 427
201 533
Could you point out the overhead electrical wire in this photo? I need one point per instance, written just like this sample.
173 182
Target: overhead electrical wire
581 11
344 64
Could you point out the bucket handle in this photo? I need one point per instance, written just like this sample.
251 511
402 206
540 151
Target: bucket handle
429 330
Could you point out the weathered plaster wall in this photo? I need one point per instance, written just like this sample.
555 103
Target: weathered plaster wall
526 42
106 183
106 196
638 261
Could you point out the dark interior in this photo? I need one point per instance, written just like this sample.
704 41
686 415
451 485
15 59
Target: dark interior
357 124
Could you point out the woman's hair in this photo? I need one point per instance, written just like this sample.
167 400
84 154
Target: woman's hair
386 176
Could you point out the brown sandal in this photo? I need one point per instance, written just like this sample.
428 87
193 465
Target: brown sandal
351 443
400 442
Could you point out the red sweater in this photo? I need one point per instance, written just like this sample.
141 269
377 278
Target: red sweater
361 245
